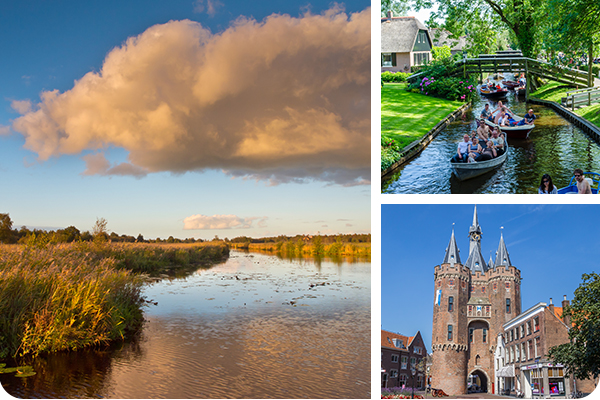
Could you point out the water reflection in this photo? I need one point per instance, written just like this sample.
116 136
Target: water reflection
255 326
555 147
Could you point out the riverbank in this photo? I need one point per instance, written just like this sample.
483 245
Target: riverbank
407 117
71 296
291 248
554 91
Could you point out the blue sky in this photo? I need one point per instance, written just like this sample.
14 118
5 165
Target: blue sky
552 245
225 117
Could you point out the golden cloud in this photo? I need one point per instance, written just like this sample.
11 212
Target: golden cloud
285 99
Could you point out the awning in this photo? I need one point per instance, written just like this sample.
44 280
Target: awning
506 372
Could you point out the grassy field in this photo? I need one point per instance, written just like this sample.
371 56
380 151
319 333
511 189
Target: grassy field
554 91
406 117
70 296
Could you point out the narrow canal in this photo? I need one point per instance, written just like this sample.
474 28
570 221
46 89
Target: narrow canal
256 326
554 147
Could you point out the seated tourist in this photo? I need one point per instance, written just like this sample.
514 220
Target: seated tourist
497 141
474 150
483 131
463 150
528 118
489 152
486 113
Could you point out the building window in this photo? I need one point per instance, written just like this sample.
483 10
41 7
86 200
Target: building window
398 343
417 350
387 60
510 334
413 362
522 329
507 285
517 353
402 380
404 363
451 282
523 355
484 335
393 373
470 335
384 380
529 349
508 306
394 358
439 283
495 286
512 354
449 333
420 58
536 324
528 328
537 347
483 289
450 303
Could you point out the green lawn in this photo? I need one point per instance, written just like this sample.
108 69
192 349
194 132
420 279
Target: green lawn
591 113
406 117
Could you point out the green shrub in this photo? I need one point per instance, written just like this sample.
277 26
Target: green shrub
455 89
398 77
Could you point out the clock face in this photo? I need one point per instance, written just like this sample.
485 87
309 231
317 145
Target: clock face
476 236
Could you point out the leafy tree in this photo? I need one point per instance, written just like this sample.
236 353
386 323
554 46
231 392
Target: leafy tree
6 233
140 238
440 53
519 16
581 355
100 231
397 7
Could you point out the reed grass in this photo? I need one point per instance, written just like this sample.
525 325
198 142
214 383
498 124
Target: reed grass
292 248
70 296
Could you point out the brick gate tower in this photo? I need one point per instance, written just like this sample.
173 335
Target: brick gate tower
472 301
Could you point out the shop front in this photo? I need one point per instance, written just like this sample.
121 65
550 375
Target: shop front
544 380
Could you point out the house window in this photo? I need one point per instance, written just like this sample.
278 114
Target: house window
523 358
404 363
451 282
528 328
536 324
470 335
387 60
537 347
449 333
484 335
529 349
495 286
394 358
413 362
507 285
420 58
384 380
393 373
522 329
417 350
450 303
508 306
510 334
402 380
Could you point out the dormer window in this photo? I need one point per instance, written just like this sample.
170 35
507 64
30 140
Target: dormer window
398 343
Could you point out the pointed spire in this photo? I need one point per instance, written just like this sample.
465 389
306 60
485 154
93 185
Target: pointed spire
452 251
502 257
490 263
475 262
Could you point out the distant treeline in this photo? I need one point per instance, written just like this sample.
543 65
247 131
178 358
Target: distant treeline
325 239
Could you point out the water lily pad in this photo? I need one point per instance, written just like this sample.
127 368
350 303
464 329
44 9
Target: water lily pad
7 370
25 374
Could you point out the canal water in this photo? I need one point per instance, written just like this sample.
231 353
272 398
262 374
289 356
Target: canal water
554 147
255 326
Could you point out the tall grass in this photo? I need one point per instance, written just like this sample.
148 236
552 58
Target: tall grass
66 297
298 248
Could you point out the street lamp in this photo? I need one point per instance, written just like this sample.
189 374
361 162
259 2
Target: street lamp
413 371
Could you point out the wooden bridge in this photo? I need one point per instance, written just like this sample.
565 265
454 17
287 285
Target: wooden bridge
513 62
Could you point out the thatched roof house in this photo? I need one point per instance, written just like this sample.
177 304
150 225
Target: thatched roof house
405 42
441 37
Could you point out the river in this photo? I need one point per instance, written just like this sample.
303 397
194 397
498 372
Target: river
255 326
555 147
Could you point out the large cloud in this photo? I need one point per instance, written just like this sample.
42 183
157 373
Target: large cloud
285 99
230 221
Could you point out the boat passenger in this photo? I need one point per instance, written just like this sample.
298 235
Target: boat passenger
489 152
546 185
483 131
528 118
497 140
474 150
486 113
583 186
463 150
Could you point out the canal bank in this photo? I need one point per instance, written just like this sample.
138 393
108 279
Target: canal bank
556 147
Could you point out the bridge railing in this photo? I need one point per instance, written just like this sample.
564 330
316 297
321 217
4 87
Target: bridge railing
581 97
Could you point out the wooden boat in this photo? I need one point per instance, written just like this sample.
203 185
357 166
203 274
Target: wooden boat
493 93
520 91
466 170
513 132
593 178
511 85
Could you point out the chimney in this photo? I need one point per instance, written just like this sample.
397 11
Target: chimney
566 303
390 14
551 306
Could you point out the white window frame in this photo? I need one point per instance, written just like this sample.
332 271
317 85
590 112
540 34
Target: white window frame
395 358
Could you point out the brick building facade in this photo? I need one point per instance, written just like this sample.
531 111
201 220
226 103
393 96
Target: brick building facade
399 354
521 357
472 302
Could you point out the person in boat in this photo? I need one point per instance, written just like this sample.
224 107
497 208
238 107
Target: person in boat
488 153
546 185
463 150
483 131
486 113
475 150
507 120
583 186
497 141
500 116
528 118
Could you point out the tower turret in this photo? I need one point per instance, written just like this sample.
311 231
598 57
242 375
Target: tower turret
475 262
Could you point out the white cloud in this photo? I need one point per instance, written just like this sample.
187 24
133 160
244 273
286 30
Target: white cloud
199 221
210 7
282 100
4 130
